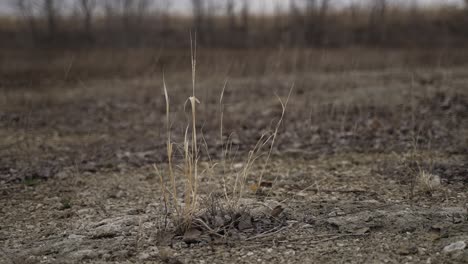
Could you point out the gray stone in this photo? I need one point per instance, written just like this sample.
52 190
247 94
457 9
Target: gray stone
459 245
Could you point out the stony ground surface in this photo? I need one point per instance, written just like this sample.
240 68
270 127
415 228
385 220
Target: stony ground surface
350 213
78 184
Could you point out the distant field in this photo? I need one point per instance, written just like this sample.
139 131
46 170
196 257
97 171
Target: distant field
34 69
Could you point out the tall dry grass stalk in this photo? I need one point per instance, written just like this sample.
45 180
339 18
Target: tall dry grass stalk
193 157
275 133
185 212
169 145
224 148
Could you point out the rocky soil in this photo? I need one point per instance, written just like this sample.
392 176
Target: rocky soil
342 185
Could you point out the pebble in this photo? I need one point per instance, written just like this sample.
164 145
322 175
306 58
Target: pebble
84 211
238 166
459 245
407 250
84 254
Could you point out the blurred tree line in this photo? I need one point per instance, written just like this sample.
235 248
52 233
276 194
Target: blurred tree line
231 24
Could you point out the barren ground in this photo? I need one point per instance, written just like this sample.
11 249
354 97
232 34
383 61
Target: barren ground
78 186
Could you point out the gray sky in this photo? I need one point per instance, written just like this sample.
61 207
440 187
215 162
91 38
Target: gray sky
184 6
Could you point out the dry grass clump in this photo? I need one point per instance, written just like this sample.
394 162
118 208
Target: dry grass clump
428 182
419 167
209 211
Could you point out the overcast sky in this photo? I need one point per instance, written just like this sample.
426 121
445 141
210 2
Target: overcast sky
267 5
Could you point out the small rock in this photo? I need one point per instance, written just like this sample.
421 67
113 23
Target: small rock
89 167
107 256
106 231
113 227
192 236
84 212
277 211
122 254
151 253
46 172
135 211
407 250
164 238
63 174
76 237
237 166
438 227
144 256
459 245
245 222
219 221
84 254
362 231
120 194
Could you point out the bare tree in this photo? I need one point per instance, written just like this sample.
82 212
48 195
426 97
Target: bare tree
245 12
311 7
126 9
230 13
110 7
354 11
466 11
310 21
111 11
50 11
278 23
296 23
133 12
324 6
294 10
414 11
32 10
377 20
212 9
198 9
26 9
163 7
315 21
322 21
142 8
87 8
